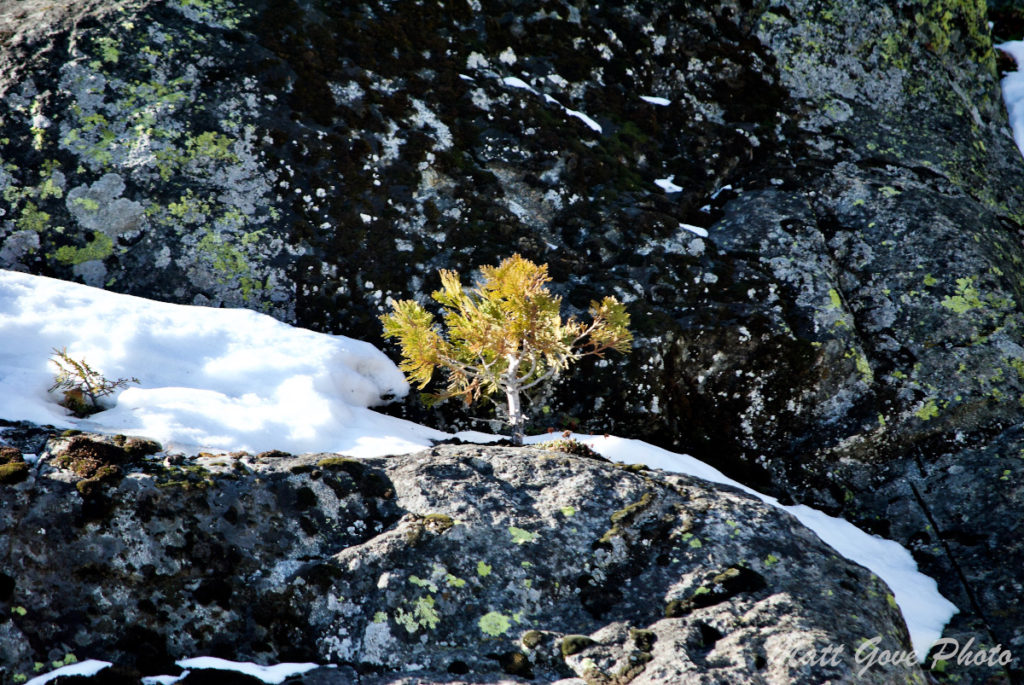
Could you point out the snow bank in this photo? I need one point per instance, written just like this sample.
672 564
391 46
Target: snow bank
215 379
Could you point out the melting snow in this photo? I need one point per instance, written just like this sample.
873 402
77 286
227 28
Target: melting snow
656 100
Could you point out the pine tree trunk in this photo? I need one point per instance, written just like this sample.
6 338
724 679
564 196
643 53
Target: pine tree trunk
515 414
511 383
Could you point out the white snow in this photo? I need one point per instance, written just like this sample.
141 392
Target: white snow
661 102
702 232
86 668
667 185
272 675
1013 90
515 82
229 379
214 379
593 125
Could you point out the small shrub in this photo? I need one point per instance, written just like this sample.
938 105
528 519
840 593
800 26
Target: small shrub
505 336
82 385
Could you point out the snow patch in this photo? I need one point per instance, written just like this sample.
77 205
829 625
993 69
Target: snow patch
272 675
667 185
661 102
86 668
210 379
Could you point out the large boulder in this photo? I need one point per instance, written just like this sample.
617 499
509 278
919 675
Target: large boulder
458 564
852 318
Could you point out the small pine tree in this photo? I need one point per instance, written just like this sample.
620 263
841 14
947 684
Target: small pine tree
504 336
82 385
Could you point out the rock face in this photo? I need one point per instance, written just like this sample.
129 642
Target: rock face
460 564
848 332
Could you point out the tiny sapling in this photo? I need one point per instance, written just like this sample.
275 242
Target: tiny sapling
505 336
82 385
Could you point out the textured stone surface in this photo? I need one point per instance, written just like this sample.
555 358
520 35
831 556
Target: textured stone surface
459 564
853 318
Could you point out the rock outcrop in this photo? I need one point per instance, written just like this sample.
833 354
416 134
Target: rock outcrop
848 333
459 564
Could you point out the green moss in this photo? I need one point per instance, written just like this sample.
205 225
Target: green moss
438 523
532 638
340 464
643 639
13 473
631 468
574 644
99 248
516 663
625 517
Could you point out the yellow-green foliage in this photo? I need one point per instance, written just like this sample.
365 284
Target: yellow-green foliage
505 335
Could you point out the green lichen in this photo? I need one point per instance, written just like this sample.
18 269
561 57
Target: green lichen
521 536
483 569
967 296
422 616
454 581
494 624
108 49
229 263
835 302
929 410
100 247
32 218
380 617
86 203
420 582
568 511
771 560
